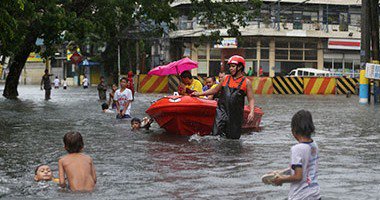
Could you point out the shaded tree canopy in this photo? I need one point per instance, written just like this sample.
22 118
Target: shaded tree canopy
97 23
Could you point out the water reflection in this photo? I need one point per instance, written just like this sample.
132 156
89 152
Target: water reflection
157 165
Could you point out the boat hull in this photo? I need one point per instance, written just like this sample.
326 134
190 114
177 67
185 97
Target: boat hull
186 115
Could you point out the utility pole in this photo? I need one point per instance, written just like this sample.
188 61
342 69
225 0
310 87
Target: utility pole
278 14
364 50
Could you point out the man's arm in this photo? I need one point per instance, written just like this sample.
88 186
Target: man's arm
251 101
61 174
125 107
208 92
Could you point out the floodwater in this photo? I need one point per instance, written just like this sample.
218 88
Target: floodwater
161 166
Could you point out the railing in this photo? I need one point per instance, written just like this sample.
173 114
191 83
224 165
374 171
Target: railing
192 24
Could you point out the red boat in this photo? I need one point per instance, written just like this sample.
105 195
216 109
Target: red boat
185 115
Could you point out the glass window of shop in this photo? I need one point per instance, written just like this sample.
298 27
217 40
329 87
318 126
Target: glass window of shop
294 54
215 54
297 20
265 66
214 68
202 67
202 60
250 53
202 54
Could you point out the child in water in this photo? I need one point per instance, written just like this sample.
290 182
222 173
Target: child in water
136 123
43 173
111 101
304 160
105 109
77 167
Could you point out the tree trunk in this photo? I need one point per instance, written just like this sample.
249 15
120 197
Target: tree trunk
16 66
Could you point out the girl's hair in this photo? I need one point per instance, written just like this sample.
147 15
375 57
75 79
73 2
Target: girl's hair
302 123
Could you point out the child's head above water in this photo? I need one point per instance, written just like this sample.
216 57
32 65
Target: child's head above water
43 173
135 123
73 142
302 124
104 106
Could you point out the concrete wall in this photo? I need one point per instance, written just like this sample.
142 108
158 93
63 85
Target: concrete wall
32 73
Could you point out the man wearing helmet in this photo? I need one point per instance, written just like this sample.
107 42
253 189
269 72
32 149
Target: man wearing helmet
230 110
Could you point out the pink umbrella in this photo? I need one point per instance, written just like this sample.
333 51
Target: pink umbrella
174 68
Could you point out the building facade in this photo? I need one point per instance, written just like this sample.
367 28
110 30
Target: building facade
287 34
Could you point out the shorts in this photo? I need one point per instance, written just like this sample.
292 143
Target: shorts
64 87
85 87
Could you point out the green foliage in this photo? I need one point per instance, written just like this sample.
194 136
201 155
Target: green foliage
225 13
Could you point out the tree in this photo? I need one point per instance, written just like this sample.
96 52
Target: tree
228 14
98 23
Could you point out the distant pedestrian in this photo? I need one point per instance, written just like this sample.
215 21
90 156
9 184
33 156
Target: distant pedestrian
111 101
130 84
102 89
64 84
85 82
56 82
250 72
45 81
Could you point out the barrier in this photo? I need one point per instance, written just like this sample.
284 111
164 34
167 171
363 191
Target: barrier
152 84
344 85
173 83
288 85
317 85
261 85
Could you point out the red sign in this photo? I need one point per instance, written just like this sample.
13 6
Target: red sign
76 58
348 44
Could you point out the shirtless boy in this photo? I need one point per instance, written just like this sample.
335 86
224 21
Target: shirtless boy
77 167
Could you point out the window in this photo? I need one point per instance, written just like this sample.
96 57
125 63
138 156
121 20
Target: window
214 54
310 45
250 53
282 44
202 67
202 53
296 54
282 54
296 45
310 55
264 53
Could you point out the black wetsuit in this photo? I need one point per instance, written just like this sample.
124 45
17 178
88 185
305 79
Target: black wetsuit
47 86
230 110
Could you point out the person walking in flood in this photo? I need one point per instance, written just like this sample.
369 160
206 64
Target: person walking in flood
45 81
85 82
233 89
123 98
102 89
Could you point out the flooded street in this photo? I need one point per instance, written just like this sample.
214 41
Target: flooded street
161 166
